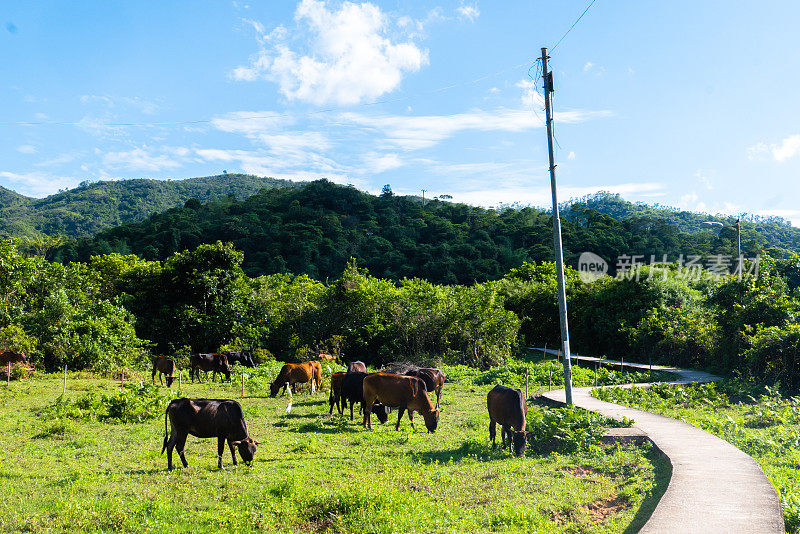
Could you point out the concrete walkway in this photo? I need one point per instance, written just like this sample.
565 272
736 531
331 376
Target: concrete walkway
714 487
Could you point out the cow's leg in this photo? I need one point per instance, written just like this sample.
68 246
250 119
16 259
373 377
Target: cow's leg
352 402
367 418
411 419
180 443
220 450
438 396
170 446
161 378
154 375
233 451
400 411
493 432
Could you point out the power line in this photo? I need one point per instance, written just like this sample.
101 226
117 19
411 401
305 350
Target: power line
309 113
573 25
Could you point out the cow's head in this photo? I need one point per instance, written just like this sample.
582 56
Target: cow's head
247 449
274 388
382 411
518 442
431 419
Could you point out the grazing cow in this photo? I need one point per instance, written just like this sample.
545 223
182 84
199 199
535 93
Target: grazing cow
336 393
207 418
11 356
244 357
353 391
164 366
217 363
326 357
297 373
508 407
356 366
404 392
433 378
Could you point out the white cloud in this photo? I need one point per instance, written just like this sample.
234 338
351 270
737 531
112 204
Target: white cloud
145 106
469 11
143 159
26 149
587 66
788 148
375 163
540 196
494 90
38 184
571 155
791 215
349 59
703 179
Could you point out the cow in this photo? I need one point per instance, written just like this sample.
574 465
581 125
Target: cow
336 392
433 378
356 366
353 391
164 366
404 392
326 357
207 418
10 356
508 407
244 357
217 363
297 373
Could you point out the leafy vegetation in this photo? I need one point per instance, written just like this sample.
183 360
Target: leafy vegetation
94 206
313 472
315 230
756 419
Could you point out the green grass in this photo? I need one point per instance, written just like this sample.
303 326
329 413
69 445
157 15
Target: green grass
77 472
757 420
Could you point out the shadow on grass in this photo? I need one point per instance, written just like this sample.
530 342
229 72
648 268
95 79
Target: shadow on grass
663 474
469 450
325 429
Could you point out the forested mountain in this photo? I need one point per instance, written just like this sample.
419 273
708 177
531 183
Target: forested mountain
92 207
771 233
316 228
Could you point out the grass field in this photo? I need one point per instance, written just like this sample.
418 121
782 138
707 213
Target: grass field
759 421
312 473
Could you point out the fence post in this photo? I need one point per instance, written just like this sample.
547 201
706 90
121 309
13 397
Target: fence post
180 374
549 377
595 374
64 391
122 377
526 382
8 376
242 383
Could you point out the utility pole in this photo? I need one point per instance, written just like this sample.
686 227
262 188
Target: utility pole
423 197
562 291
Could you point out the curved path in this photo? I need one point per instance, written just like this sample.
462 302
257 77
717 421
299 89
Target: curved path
714 487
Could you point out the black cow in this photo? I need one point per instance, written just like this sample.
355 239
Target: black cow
218 363
353 390
508 407
244 357
433 378
207 418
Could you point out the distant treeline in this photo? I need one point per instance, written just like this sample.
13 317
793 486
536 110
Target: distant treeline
315 229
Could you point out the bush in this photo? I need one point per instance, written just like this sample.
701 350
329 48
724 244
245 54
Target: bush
134 403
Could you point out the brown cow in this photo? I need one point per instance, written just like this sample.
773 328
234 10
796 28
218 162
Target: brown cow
326 357
356 367
433 378
403 392
336 393
297 373
11 356
508 407
164 366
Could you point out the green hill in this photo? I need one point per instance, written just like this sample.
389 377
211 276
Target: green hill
316 228
92 207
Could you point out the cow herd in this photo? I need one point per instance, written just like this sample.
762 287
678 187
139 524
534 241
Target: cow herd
402 387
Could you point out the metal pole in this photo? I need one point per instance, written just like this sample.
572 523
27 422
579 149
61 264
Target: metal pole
739 245
562 292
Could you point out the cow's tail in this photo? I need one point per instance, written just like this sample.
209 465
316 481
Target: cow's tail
166 434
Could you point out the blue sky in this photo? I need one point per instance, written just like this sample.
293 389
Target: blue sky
689 104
